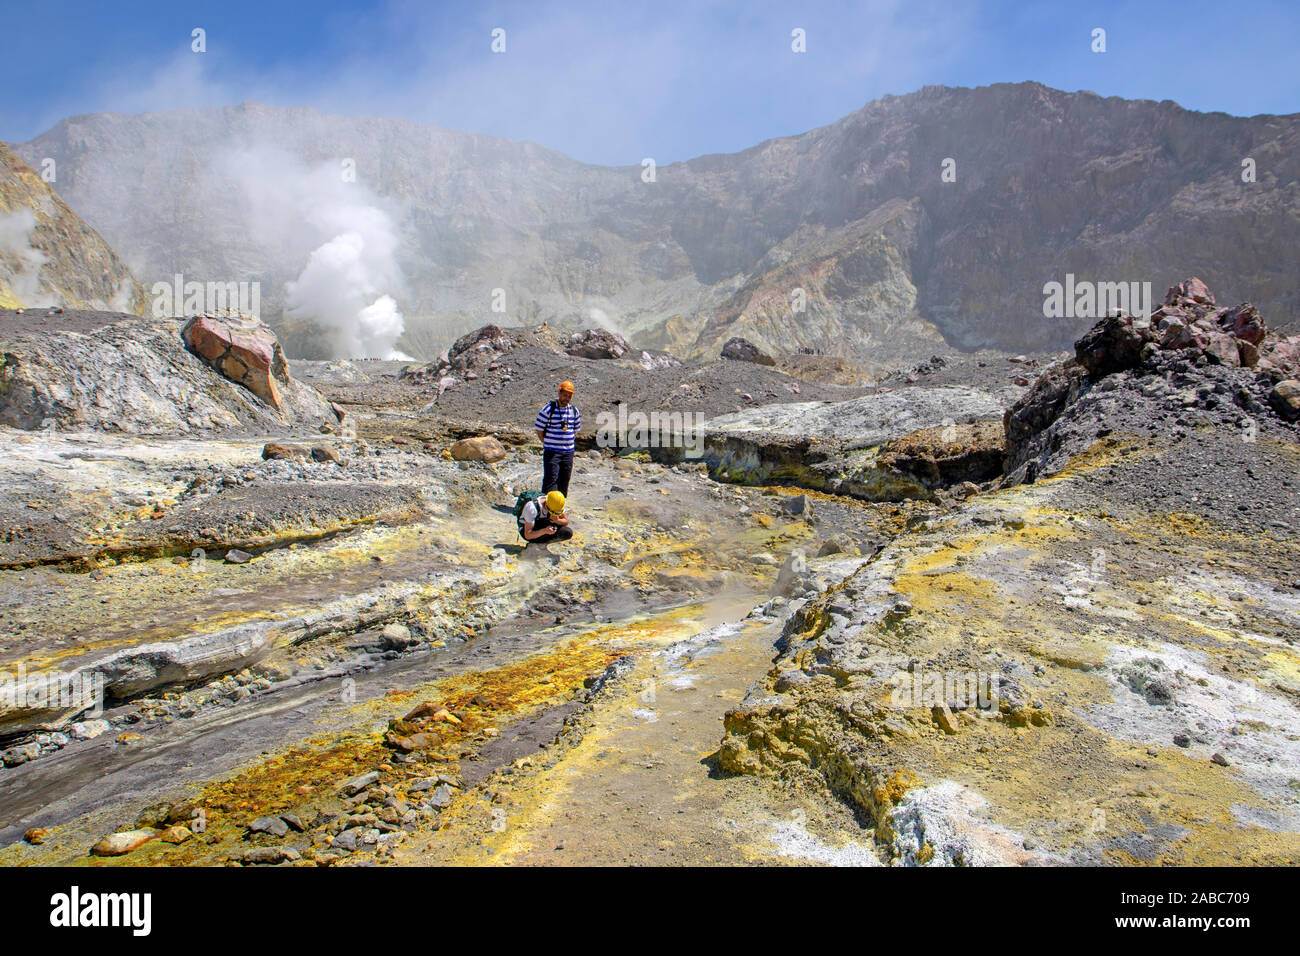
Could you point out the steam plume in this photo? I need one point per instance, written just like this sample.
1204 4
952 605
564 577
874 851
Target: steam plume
351 279
26 282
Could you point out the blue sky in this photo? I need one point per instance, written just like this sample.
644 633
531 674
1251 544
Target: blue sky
612 81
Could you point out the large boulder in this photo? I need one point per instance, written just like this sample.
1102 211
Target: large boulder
1192 294
275 451
1112 345
863 422
889 446
480 448
1285 398
242 349
1242 322
596 344
477 348
743 350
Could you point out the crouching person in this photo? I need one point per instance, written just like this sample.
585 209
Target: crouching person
543 519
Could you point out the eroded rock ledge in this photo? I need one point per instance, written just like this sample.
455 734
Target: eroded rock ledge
890 446
1073 671
135 376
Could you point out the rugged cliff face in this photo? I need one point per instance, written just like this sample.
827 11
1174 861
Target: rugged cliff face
891 258
48 255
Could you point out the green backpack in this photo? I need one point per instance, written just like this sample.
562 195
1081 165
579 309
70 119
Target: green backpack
521 502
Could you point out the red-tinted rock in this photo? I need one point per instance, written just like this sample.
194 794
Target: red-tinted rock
1242 322
242 349
1222 348
1176 335
1190 291
1166 315
1280 358
274 451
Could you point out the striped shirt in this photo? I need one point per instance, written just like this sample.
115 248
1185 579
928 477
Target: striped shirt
558 426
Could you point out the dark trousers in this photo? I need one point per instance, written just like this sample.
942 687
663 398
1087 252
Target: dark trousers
557 467
563 532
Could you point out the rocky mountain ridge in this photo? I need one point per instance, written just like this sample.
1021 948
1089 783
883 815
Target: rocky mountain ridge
49 257
845 240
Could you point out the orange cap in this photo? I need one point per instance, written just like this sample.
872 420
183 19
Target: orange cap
566 387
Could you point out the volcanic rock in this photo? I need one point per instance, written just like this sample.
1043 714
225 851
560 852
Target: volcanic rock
274 451
480 448
176 834
120 373
272 825
948 454
119 844
271 855
1185 336
242 349
1280 358
478 347
742 350
1242 322
596 344
1191 292
354 786
1113 344
1285 397
395 637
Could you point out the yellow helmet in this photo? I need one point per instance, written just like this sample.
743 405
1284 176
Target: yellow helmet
555 502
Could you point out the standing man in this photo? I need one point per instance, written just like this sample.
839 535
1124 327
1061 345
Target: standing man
557 425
